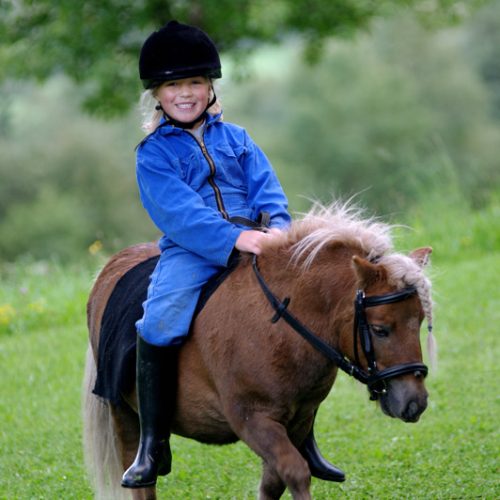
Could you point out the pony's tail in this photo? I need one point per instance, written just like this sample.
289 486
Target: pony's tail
100 443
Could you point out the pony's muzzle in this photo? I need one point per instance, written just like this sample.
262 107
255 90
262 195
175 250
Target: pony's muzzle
405 398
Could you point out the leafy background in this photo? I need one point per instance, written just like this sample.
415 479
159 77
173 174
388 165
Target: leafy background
394 102
401 114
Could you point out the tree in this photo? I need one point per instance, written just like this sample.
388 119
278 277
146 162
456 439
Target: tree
97 42
394 116
483 49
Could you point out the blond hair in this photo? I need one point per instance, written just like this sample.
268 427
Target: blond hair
151 116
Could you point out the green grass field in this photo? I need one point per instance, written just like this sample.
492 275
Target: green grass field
451 453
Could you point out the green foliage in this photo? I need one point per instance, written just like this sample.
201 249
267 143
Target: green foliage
53 224
396 116
483 49
99 42
399 115
67 180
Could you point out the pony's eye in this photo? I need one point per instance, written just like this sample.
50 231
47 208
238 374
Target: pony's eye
379 330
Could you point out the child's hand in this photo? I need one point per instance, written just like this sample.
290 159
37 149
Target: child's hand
252 241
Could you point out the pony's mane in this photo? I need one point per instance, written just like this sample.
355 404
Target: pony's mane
337 223
344 223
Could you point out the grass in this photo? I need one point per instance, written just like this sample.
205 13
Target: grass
451 453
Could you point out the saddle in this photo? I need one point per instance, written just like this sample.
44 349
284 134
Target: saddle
118 335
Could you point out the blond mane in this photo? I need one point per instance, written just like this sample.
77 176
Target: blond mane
344 223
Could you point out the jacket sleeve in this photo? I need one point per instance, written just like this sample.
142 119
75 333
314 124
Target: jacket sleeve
179 211
265 193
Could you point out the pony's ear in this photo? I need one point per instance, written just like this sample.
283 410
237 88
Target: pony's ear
421 256
367 272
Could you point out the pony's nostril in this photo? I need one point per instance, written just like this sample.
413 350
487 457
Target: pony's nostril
413 411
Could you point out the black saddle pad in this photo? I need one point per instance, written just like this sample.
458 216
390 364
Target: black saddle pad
118 336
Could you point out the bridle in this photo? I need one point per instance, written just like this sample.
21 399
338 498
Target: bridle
376 378
373 378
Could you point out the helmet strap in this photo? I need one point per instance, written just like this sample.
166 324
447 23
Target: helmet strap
192 123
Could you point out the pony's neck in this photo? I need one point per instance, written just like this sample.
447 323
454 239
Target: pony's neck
321 294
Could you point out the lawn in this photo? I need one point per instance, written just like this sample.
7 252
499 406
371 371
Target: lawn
451 453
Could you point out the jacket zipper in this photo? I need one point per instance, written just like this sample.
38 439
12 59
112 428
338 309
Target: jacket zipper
211 177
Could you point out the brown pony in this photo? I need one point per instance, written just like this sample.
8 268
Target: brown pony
243 377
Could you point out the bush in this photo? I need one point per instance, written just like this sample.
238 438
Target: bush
67 179
403 116
396 115
51 225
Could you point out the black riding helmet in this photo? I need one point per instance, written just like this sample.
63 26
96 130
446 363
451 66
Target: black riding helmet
177 51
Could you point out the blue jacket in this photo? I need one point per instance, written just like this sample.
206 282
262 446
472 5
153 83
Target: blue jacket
190 189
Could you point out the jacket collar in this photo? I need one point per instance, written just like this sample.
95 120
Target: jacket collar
165 129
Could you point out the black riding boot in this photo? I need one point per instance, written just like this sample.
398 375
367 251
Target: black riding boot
156 392
319 466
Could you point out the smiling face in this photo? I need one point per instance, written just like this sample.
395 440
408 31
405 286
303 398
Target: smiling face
186 99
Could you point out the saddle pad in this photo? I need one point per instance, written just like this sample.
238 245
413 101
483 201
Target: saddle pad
118 336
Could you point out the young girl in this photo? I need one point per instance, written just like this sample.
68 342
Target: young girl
203 182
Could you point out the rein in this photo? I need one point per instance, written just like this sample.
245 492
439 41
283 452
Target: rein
374 379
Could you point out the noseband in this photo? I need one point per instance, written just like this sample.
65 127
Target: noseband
374 378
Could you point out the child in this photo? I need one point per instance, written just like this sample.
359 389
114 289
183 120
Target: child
200 180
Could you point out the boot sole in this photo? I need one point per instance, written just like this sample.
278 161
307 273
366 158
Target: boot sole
136 486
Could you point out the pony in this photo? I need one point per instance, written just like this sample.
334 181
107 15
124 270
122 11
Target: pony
264 352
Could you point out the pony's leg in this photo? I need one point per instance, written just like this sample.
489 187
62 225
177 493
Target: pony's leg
126 423
271 485
269 439
148 493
